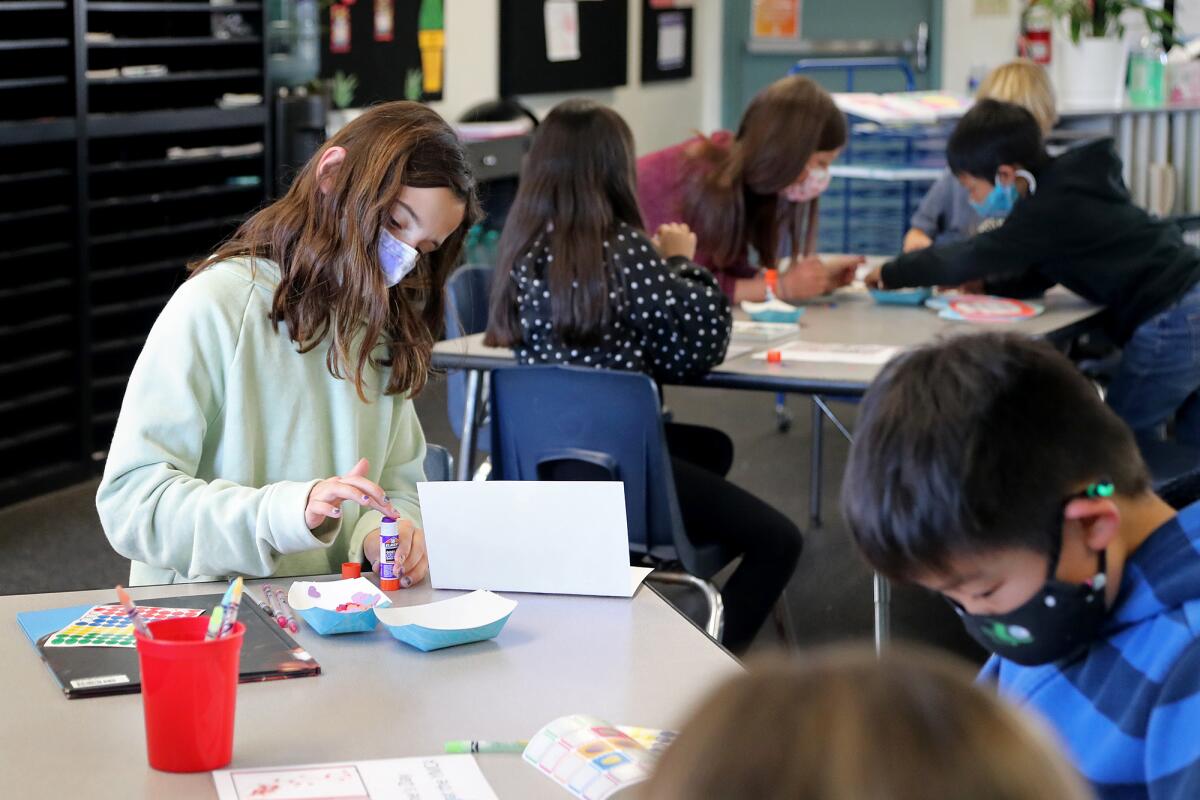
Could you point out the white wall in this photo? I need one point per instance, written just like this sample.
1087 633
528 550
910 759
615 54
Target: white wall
659 113
975 43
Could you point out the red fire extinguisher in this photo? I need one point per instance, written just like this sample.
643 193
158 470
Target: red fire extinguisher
1035 33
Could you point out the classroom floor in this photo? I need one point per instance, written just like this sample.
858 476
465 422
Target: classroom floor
55 543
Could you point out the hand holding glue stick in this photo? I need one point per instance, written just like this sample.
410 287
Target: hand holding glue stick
409 564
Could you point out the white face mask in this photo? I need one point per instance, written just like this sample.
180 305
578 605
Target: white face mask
816 181
397 258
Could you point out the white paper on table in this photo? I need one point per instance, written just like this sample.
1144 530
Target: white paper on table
832 353
562 30
736 349
435 778
672 41
549 537
747 330
465 611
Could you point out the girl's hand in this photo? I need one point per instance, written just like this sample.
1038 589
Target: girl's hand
675 239
841 270
804 279
916 239
411 564
326 497
874 279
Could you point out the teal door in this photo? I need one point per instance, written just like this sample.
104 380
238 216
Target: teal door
832 28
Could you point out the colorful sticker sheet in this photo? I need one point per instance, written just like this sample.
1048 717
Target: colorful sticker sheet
593 759
110 626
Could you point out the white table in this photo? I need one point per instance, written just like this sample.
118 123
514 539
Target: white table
848 316
635 661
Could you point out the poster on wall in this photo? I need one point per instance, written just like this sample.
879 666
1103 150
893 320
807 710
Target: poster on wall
666 40
775 20
394 48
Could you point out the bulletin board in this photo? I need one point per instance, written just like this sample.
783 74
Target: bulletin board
667 40
537 57
396 48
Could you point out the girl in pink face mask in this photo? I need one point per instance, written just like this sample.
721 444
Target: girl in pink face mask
755 191
815 179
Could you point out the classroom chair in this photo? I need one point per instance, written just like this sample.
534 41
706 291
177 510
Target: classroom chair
439 464
576 423
466 313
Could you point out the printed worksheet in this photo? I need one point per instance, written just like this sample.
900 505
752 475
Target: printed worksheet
433 778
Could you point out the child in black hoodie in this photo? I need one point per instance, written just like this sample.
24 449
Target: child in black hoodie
1070 220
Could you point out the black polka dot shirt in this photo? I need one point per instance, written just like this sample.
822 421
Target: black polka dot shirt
672 320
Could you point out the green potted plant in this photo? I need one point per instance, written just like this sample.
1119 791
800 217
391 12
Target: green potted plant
1090 53
341 88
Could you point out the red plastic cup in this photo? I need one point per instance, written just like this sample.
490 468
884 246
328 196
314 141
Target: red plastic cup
189 694
774 357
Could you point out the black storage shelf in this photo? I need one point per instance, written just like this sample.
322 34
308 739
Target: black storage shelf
193 75
34 175
33 44
155 42
34 82
97 224
33 5
169 6
39 130
35 288
99 276
156 163
175 120
32 213
36 398
181 194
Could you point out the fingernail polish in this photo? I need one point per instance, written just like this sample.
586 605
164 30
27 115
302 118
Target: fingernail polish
387 499
337 512
406 581
366 498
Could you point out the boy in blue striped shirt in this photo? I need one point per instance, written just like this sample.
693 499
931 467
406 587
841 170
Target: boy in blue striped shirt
986 468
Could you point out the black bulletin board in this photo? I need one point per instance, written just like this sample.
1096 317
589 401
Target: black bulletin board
384 68
603 48
654 67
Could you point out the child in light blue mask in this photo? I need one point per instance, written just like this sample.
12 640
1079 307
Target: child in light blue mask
1069 220
268 425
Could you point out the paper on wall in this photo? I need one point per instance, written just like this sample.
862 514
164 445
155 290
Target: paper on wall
562 30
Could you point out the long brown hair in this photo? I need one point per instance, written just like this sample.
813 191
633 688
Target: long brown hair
842 724
577 185
324 240
732 201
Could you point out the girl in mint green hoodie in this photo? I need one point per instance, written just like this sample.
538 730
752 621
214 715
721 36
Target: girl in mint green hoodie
268 424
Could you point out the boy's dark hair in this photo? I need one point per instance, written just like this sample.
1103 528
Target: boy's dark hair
994 133
970 446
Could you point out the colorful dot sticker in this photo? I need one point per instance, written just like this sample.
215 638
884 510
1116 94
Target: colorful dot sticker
109 626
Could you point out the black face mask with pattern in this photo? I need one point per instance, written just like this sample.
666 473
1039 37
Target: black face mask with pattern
1057 622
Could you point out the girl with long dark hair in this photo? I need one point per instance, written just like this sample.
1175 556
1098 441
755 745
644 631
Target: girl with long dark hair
580 282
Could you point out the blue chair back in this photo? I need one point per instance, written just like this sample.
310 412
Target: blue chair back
609 422
467 293
439 464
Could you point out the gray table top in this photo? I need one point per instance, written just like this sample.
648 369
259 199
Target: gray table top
636 662
849 316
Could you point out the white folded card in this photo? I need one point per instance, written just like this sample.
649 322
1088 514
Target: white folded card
551 537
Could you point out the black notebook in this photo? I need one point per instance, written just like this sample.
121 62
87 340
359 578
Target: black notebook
268 652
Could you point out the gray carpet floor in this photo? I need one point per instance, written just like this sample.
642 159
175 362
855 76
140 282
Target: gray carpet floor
55 542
